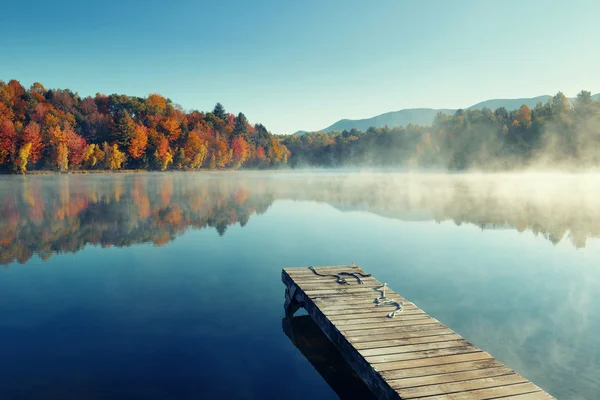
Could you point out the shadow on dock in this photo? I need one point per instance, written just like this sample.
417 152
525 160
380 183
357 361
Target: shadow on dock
322 354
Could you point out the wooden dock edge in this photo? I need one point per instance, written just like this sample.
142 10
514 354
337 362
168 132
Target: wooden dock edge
296 298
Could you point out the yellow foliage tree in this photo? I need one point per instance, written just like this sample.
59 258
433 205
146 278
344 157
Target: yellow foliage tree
89 161
62 157
114 158
23 157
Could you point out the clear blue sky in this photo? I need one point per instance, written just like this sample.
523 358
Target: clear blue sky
305 64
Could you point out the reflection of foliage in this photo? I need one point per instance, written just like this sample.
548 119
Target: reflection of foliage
55 214
62 214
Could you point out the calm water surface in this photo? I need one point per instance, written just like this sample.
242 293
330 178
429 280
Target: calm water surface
168 286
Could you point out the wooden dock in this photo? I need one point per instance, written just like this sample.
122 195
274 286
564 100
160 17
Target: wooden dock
408 356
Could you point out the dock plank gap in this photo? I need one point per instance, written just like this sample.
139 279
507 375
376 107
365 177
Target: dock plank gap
397 349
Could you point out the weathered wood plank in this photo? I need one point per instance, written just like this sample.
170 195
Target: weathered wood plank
399 335
441 369
357 308
380 344
373 313
423 381
388 358
410 356
490 393
427 361
462 386
303 272
362 294
363 290
413 347
355 305
388 322
376 332
530 396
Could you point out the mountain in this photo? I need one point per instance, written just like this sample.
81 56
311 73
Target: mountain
424 116
509 104
416 116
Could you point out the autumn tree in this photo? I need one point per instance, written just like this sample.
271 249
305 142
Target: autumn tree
163 154
240 151
171 128
157 104
195 151
8 142
113 157
138 142
33 135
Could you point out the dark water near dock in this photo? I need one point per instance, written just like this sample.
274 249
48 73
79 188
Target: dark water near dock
160 286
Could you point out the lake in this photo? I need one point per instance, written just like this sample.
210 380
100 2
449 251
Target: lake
168 285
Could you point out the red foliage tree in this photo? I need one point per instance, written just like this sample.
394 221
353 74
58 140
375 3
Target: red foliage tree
8 142
76 146
33 134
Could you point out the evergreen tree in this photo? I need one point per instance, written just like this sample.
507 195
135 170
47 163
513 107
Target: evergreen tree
219 111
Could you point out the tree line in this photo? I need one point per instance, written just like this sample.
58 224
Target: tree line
45 129
558 133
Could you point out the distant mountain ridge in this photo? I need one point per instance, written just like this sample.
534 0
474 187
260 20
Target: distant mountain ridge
424 116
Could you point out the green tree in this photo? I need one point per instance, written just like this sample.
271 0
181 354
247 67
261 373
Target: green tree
124 129
219 111
241 125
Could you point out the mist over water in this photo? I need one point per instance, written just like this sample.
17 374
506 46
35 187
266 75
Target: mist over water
126 278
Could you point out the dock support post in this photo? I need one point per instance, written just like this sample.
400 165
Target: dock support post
291 304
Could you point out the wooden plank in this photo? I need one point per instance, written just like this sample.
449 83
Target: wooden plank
410 356
392 329
388 358
387 322
307 282
429 361
413 347
356 295
358 303
355 305
423 381
374 311
441 369
381 344
429 354
357 308
490 393
359 290
379 312
399 335
530 396
462 386
304 272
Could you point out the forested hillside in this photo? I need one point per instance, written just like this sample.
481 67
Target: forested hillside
558 133
59 130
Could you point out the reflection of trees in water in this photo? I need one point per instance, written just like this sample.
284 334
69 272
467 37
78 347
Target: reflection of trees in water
48 215
52 214
552 206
